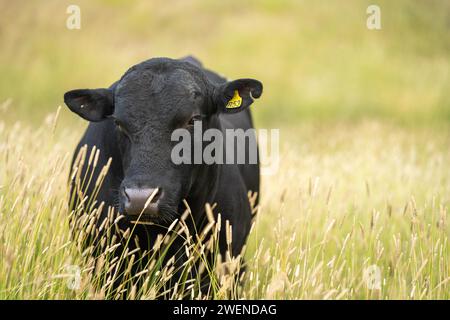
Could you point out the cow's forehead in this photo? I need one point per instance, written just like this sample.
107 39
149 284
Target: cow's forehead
140 82
147 90
155 72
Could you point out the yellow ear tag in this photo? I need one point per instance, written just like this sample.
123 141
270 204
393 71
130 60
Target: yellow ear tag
234 102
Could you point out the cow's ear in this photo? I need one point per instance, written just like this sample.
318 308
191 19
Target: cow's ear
237 95
90 104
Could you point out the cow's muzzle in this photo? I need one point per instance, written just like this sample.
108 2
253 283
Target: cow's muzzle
141 201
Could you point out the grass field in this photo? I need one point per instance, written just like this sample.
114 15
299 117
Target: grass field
345 199
363 182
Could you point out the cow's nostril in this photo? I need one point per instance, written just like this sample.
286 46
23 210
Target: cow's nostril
153 195
141 200
125 194
158 194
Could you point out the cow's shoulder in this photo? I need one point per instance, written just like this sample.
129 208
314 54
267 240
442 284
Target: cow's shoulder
212 76
233 203
192 60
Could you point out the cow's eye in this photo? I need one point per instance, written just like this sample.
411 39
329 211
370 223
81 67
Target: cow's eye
120 127
194 118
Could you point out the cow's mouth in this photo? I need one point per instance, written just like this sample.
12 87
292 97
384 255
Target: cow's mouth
143 219
164 217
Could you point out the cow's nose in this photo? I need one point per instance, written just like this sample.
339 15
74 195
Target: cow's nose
141 201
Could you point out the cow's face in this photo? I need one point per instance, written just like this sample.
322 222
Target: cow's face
149 102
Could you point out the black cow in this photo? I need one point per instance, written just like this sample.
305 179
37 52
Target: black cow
132 122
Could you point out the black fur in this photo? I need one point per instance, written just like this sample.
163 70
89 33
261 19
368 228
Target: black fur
132 122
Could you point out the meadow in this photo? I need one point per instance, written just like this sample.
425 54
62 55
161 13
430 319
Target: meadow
363 186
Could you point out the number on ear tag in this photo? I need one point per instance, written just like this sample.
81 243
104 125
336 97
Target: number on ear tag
234 102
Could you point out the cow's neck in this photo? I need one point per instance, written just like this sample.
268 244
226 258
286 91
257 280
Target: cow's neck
206 182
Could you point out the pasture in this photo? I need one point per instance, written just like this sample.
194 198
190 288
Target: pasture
359 208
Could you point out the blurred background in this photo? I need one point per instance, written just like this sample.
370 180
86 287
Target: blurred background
364 119
317 59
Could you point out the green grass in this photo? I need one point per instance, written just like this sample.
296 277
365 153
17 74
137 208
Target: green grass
316 59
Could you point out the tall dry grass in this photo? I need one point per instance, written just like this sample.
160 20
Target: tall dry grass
346 197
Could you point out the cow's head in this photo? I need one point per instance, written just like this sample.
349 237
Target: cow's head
147 104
